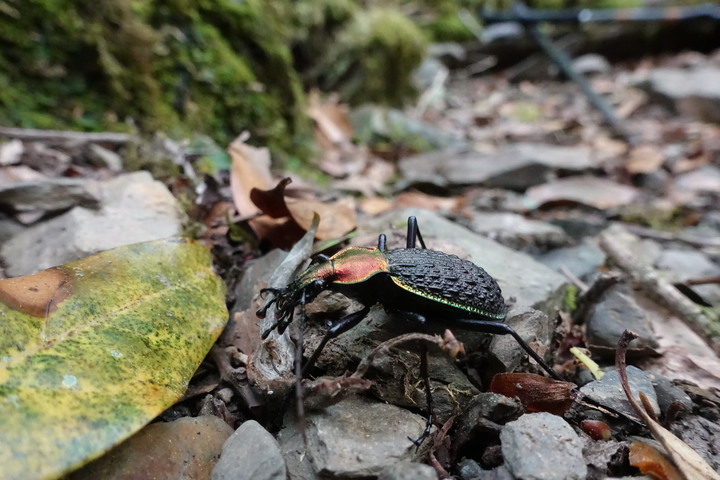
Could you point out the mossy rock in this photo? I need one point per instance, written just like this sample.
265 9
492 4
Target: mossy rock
180 66
371 58
211 67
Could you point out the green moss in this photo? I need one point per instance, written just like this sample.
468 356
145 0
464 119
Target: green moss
179 66
216 67
570 299
373 56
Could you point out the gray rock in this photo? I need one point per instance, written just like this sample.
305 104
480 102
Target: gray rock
408 471
705 179
469 469
103 157
504 353
351 439
591 63
694 92
608 390
250 453
617 312
49 194
515 167
702 435
542 446
603 456
589 190
498 473
517 231
135 208
668 393
683 265
484 417
372 122
582 260
188 448
396 375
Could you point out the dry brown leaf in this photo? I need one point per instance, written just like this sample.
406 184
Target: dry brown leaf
336 218
371 180
536 393
644 159
425 201
651 462
375 205
333 134
250 169
686 164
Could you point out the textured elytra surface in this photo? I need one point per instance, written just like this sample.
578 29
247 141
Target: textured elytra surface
447 278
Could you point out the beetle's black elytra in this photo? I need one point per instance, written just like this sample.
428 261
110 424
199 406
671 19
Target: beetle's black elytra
447 279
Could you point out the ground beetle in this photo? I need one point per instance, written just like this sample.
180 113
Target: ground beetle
415 284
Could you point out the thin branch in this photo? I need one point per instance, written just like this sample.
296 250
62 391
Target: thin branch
66 136
615 242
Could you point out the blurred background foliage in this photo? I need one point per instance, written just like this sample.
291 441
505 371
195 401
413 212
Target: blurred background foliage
217 67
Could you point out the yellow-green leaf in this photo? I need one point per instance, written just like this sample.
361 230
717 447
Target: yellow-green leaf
93 350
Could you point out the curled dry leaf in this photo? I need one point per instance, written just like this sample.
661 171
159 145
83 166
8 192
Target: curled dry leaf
336 218
250 170
333 134
652 463
285 219
644 159
536 393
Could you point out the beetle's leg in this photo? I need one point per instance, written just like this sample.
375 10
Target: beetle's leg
341 326
500 328
382 242
428 397
413 233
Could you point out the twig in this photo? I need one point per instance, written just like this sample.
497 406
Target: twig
384 347
574 279
703 281
615 241
65 136
691 465
591 296
692 240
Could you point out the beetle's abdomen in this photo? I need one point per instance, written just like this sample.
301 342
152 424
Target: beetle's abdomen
448 279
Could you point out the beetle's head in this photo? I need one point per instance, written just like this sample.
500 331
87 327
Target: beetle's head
302 290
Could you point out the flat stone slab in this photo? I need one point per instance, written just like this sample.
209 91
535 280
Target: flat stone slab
134 208
516 166
356 438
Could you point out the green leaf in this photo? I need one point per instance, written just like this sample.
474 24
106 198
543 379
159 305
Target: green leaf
93 350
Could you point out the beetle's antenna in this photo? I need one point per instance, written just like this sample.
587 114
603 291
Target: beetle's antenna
299 405
382 242
428 397
413 233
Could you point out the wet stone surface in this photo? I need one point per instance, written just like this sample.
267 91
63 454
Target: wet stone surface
542 446
352 439
250 453
608 390
505 355
407 471
617 312
186 448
